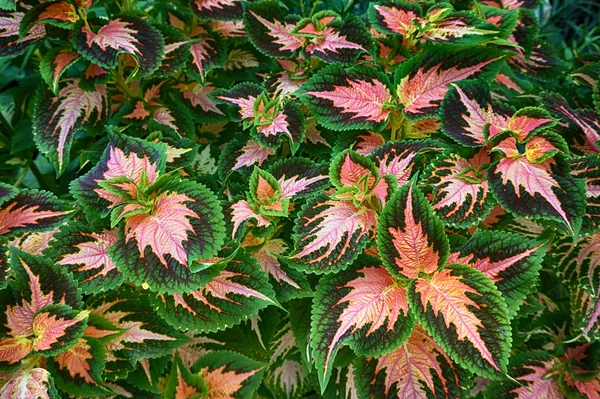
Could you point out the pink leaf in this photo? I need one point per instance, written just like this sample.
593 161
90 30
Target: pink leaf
116 35
266 256
253 153
242 211
164 229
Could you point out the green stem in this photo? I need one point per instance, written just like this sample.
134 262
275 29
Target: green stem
21 176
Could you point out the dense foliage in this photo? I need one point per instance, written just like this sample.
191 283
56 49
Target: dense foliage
295 199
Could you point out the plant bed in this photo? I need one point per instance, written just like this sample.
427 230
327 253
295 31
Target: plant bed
225 199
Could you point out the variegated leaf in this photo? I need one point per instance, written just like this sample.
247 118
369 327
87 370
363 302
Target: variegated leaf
177 51
122 35
395 17
285 376
578 264
410 237
423 80
398 158
229 375
588 168
270 31
124 157
78 370
55 63
223 10
418 369
58 118
466 315
11 44
357 98
236 293
185 223
270 127
198 96
467 109
299 177
84 252
287 282
207 53
330 234
57 13
582 379
265 194
461 27
57 327
41 315
536 190
461 194
529 121
34 383
332 41
243 96
365 307
530 370
587 121
510 260
30 211
184 385
130 329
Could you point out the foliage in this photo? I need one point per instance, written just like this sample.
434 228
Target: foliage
298 199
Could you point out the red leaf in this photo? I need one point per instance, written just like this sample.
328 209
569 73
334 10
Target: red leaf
75 361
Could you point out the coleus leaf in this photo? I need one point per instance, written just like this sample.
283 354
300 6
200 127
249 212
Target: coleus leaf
398 158
34 383
578 264
84 252
122 35
56 328
530 369
229 375
419 368
510 260
198 96
30 210
330 234
588 168
285 376
41 316
177 51
55 63
270 31
395 17
58 118
286 282
462 27
461 193
536 190
467 109
264 192
124 157
156 248
58 13
356 98
184 385
466 315
364 306
581 377
221 10
587 121
299 177
423 80
78 370
243 96
239 291
410 236
342 43
131 329
270 127
11 44
207 53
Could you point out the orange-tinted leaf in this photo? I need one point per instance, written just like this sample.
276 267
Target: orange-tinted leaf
466 315
410 237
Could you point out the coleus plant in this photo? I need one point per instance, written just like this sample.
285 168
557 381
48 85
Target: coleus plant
296 199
